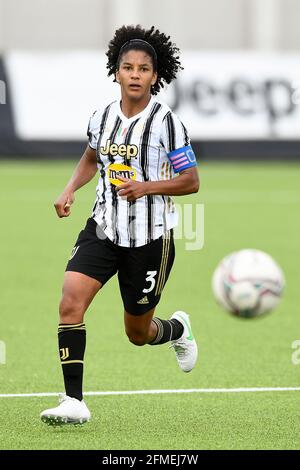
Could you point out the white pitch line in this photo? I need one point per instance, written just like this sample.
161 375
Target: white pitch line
157 392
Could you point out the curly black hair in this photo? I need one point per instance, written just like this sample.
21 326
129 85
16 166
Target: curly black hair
168 63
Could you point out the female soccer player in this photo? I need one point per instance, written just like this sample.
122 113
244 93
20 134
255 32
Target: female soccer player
138 145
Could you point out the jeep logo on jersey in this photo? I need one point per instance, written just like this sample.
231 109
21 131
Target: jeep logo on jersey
128 151
118 169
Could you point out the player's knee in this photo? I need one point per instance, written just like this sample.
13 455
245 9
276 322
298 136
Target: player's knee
137 338
70 310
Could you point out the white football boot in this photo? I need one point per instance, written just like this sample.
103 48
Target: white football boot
185 347
69 411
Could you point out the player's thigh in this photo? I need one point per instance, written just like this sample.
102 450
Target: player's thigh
78 292
92 263
94 255
143 274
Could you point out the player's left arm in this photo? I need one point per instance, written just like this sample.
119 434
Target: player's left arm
187 182
184 163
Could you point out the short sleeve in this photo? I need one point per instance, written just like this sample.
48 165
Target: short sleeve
177 144
93 130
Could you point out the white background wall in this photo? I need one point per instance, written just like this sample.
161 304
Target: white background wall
192 24
251 98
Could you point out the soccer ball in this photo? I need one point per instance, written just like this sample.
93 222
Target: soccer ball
248 283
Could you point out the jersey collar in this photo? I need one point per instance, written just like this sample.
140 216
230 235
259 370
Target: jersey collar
136 116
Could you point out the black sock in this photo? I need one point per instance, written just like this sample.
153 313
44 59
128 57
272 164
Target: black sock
71 341
167 330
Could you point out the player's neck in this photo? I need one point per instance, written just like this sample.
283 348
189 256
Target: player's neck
131 108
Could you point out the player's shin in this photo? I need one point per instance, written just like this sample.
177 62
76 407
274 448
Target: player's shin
167 330
71 341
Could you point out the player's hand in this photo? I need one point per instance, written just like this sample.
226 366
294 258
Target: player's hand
130 190
63 204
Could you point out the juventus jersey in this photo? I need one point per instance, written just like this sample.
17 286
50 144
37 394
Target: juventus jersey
150 146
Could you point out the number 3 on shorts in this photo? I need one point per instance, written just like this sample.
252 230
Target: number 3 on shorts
150 279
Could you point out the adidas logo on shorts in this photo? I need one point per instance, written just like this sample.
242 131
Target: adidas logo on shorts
144 300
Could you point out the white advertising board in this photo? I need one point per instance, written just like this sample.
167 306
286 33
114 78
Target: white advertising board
218 95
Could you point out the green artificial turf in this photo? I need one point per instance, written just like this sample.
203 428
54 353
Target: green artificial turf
245 205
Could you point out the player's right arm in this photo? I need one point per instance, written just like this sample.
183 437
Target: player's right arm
83 173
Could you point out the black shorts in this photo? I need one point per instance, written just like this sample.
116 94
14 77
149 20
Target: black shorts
142 271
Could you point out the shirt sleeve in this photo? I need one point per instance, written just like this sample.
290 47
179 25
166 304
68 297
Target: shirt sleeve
176 141
92 131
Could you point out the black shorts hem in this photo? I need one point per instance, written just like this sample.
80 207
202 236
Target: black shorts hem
137 310
93 276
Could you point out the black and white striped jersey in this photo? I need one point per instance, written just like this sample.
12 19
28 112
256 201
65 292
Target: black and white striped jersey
150 146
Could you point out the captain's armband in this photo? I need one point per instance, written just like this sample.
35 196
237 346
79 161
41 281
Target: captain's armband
182 158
